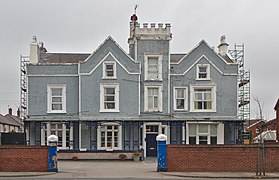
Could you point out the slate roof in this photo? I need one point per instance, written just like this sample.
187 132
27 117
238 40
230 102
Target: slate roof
46 57
175 58
227 58
5 120
63 57
14 119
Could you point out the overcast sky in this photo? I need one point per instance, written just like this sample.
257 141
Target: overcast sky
81 26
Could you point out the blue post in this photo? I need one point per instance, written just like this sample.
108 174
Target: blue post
161 153
52 153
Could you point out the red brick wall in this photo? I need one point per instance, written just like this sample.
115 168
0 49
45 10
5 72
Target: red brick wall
23 158
220 158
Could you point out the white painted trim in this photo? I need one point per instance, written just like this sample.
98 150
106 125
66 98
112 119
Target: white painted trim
113 63
159 124
64 131
119 130
203 56
80 138
79 91
160 98
109 37
103 61
207 72
71 136
109 85
220 133
183 133
42 136
49 98
195 47
139 91
144 139
160 66
185 95
48 131
213 96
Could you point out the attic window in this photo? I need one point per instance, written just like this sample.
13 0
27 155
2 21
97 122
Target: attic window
109 70
203 72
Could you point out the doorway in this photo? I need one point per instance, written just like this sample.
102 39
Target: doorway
151 145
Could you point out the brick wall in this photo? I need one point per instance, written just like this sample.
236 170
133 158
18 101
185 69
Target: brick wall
23 158
220 158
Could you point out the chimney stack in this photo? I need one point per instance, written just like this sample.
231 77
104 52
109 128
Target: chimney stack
18 113
223 46
10 111
34 51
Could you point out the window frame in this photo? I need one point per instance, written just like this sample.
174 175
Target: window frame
102 97
185 98
146 95
198 134
213 98
146 63
207 72
105 70
103 128
49 98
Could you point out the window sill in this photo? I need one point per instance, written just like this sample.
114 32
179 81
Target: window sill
153 111
153 80
56 112
110 78
203 79
180 110
200 110
109 111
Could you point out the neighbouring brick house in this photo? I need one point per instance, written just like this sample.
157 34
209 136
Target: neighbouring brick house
10 123
114 101
276 108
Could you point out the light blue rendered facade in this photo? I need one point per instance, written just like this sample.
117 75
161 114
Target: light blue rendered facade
117 101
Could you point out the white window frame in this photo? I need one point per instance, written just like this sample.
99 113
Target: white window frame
146 75
192 97
119 136
160 103
185 98
105 70
49 98
207 134
207 71
102 96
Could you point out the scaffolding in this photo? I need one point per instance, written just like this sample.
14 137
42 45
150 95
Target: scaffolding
23 86
243 84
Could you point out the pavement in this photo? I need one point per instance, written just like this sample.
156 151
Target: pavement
127 169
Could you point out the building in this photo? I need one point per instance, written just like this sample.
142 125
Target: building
276 108
115 101
262 129
10 123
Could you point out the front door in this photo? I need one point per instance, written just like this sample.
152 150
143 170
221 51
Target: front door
151 145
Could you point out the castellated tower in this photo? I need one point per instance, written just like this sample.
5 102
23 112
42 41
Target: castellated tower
148 33
149 45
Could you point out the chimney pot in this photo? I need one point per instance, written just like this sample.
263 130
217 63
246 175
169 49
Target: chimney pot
223 47
10 111
18 112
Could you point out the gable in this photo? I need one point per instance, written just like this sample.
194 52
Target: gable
203 53
109 50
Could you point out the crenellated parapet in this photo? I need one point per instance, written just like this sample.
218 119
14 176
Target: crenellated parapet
150 31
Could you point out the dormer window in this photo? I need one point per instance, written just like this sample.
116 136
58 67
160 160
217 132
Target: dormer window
109 70
203 72
153 67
